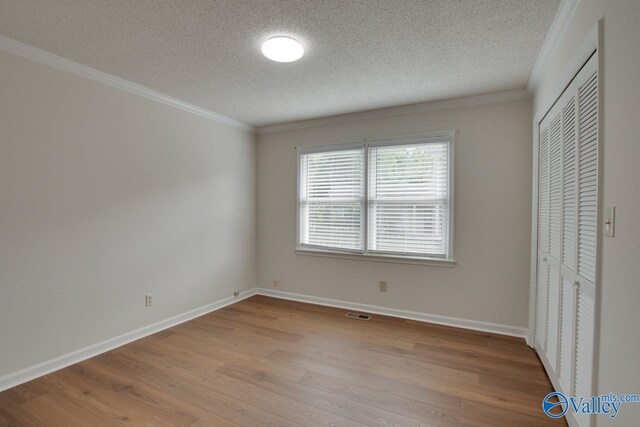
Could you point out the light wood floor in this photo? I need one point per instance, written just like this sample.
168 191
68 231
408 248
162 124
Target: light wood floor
269 362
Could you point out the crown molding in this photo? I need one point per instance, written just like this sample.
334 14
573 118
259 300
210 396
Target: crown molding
27 51
558 27
401 110
588 46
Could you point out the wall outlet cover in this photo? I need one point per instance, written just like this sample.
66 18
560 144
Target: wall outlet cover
383 285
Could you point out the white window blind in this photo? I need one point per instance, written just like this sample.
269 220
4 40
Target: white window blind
409 199
380 198
332 199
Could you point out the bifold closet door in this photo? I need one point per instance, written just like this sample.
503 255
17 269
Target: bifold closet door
542 285
587 229
569 224
549 235
555 238
567 236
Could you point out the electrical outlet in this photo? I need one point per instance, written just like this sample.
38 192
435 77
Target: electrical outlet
383 285
236 293
276 282
148 300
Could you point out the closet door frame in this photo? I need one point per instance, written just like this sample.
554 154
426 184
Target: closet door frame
592 44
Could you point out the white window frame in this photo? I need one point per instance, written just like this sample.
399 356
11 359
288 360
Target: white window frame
439 137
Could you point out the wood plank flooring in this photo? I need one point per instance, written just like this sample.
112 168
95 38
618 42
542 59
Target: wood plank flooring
270 362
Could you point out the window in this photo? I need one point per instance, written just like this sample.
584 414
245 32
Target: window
332 199
385 198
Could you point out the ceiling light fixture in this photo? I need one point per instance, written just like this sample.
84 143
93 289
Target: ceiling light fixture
282 49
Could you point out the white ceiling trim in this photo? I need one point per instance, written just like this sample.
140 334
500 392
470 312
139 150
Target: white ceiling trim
26 51
558 27
401 110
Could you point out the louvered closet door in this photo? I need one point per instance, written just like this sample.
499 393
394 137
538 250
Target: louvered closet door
549 235
587 220
568 255
567 236
555 235
542 285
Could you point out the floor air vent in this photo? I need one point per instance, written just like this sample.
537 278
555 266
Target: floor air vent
358 316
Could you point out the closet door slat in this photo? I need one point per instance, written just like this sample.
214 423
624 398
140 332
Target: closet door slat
555 186
543 190
587 179
569 184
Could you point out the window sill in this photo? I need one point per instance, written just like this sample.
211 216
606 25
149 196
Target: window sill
436 262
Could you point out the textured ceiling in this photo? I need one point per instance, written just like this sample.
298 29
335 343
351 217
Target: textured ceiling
360 54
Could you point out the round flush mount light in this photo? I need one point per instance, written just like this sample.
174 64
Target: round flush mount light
282 49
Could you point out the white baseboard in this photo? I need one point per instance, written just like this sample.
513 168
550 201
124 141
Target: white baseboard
27 374
475 325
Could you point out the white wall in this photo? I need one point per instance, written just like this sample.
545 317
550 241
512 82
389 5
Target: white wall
105 196
619 371
492 219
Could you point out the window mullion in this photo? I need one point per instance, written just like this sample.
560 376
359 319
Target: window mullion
365 203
